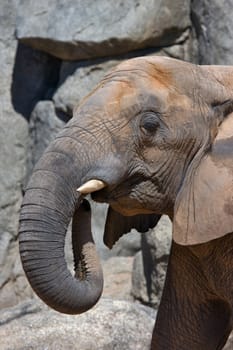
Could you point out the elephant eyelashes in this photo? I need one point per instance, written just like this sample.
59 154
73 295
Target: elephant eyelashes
149 123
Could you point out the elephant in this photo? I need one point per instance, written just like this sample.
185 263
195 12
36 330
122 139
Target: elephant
154 137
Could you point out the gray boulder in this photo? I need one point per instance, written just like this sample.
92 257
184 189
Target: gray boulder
13 130
117 325
13 141
72 30
213 22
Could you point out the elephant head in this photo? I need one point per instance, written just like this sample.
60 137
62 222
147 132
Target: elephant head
154 137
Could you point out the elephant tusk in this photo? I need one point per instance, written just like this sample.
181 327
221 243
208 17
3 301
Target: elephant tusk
91 186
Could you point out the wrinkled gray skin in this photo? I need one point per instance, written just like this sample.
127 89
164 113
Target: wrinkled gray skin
158 133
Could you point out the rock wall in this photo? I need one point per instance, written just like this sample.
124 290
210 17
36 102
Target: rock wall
32 325
52 53
74 31
212 20
13 145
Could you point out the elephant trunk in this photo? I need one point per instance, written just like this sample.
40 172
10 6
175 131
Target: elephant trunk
50 201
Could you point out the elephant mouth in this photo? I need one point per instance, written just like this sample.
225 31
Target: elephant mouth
122 199
125 198
113 194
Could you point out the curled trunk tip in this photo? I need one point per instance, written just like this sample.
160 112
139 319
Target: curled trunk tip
49 203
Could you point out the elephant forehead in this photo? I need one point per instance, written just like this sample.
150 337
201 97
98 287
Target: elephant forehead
141 78
137 84
133 101
142 82
162 71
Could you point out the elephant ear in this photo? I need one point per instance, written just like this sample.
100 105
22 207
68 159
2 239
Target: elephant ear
204 206
117 225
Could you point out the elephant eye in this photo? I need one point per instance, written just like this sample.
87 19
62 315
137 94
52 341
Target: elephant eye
149 123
